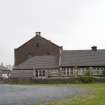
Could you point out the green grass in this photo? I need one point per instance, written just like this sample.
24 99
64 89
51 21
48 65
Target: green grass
96 96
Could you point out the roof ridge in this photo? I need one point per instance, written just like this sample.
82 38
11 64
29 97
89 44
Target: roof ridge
85 50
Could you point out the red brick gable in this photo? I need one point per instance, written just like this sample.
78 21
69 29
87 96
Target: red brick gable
37 46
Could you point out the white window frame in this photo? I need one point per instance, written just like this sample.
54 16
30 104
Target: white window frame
40 74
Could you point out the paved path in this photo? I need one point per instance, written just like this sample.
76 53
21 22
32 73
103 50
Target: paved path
33 95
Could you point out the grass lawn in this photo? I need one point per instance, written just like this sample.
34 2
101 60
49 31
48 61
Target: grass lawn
95 97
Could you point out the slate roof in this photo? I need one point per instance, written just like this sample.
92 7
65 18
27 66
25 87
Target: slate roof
83 58
39 62
68 58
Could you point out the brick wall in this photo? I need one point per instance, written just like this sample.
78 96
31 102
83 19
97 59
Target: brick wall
37 46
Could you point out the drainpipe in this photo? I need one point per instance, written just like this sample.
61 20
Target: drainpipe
60 60
33 72
60 55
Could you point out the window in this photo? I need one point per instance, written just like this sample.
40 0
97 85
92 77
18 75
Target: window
68 72
97 68
43 73
64 71
40 73
36 73
37 44
71 71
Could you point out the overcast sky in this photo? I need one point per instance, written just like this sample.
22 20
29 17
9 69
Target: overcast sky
73 24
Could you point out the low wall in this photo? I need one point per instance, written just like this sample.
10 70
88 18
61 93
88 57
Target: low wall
50 81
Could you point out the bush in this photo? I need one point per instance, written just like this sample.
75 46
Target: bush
87 78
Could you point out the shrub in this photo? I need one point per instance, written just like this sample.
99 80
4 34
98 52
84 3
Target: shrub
87 78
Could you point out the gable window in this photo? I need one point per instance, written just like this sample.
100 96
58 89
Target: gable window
37 44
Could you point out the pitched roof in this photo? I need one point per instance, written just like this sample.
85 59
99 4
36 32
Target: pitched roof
39 62
83 58
68 58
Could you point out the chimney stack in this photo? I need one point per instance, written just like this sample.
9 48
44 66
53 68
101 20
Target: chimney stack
94 48
38 33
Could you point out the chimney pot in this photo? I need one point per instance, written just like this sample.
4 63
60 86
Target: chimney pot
94 48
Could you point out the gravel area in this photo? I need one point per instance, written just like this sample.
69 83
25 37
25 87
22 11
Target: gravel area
35 94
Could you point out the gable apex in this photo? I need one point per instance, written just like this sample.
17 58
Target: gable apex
37 37
37 33
37 46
